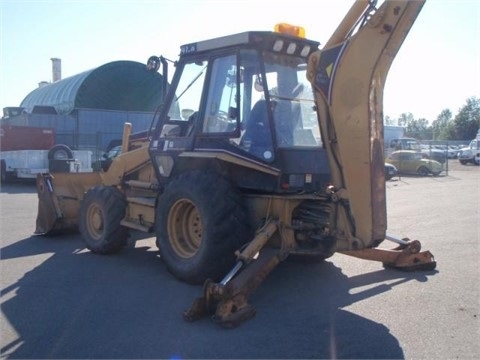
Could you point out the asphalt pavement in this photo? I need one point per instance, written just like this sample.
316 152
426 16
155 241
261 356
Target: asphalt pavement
58 300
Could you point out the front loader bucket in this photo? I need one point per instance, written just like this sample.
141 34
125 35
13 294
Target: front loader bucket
59 197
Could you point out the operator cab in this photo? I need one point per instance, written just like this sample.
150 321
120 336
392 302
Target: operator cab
242 104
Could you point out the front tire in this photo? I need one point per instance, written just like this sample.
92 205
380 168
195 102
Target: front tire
101 211
200 221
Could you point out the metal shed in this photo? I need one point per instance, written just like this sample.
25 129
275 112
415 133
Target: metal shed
87 111
118 85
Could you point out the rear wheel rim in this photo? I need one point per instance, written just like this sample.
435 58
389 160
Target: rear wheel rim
184 228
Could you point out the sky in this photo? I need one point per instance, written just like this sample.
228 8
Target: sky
437 67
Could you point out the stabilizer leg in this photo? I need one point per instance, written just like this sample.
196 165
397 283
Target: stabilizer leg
227 301
406 256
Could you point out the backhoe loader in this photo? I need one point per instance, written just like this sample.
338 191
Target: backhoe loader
265 147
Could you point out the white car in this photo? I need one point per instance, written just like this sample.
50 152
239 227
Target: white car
470 154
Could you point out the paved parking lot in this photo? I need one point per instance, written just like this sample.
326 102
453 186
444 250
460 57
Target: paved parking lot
58 300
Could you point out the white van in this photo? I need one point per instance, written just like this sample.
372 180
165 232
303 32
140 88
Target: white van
471 153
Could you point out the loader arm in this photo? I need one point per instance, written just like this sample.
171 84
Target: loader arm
60 194
348 77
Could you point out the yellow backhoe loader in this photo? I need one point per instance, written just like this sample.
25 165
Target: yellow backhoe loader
265 147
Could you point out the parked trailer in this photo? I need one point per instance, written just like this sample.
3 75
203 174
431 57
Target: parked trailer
26 137
96 130
27 164
28 151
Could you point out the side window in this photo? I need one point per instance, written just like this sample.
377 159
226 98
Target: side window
187 100
189 91
222 108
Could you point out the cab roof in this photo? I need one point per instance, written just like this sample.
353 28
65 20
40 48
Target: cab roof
267 40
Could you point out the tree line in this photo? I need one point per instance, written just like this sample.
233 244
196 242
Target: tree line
464 126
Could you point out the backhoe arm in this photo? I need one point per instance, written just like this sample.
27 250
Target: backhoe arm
348 76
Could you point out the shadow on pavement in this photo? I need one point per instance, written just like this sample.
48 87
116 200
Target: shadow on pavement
80 305
23 186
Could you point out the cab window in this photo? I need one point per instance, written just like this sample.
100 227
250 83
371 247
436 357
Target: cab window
186 104
221 109
189 91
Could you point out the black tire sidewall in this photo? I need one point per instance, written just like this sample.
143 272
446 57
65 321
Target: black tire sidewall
422 171
224 220
58 149
113 205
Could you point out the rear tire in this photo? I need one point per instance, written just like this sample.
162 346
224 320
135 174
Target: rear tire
101 211
200 221
423 171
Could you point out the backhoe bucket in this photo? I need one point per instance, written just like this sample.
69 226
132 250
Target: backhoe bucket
59 197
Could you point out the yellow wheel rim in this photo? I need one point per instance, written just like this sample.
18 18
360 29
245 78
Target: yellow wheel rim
184 228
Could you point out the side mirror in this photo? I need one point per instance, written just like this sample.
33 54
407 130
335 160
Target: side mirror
153 63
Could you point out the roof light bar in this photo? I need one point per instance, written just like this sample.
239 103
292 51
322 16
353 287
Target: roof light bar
288 29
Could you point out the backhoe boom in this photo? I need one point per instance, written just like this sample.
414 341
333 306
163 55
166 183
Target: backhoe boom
348 76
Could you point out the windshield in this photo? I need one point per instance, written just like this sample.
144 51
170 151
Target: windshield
292 101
